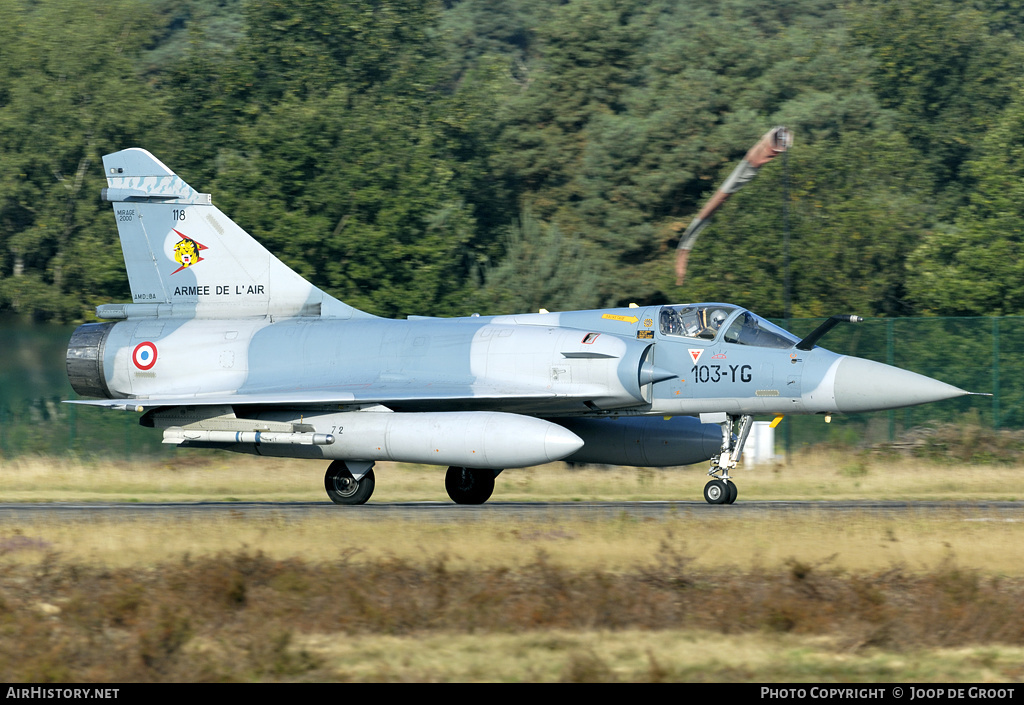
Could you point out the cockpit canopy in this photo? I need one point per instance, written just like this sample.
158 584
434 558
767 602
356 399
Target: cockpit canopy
707 321
699 321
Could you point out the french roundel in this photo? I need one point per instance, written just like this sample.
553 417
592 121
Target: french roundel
144 355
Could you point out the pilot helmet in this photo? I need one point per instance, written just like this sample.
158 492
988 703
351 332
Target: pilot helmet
717 318
669 321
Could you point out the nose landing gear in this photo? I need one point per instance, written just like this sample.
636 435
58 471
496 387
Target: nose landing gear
722 490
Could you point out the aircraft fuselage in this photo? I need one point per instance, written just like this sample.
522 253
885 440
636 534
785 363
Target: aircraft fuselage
225 346
572 363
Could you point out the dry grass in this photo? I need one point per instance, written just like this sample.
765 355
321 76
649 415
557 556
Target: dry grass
918 597
244 616
191 476
851 541
637 655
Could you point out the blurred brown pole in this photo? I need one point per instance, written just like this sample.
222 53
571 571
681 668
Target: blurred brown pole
774 143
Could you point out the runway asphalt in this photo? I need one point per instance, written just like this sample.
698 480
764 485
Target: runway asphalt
447 511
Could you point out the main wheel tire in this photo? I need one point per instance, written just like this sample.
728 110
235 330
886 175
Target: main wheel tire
342 488
733 491
716 492
469 485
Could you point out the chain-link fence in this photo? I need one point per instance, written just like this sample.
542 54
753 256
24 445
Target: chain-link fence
33 385
976 354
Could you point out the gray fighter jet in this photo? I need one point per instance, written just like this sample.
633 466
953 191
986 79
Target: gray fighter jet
224 346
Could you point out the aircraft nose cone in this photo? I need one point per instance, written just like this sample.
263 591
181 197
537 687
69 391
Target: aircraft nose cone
863 385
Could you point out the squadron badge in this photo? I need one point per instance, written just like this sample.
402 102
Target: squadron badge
186 252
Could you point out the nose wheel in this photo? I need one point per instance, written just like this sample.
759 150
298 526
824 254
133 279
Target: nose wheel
720 492
721 489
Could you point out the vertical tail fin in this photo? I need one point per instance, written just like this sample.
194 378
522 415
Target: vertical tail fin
180 249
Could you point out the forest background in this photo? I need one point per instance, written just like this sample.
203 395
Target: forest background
414 156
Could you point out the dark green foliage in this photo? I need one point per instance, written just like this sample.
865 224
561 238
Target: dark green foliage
974 266
70 94
942 71
383 147
543 269
853 214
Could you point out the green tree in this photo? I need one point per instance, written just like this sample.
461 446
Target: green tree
857 208
943 72
70 94
633 114
976 266
543 269
349 160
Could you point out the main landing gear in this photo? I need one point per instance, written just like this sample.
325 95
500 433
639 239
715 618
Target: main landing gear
721 489
347 487
469 485
351 482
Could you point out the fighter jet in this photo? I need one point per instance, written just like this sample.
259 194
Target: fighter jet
224 346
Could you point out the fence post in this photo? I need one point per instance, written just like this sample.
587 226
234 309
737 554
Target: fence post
995 372
72 427
890 358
